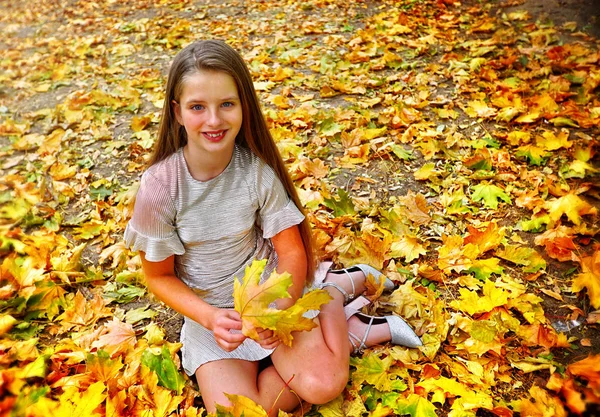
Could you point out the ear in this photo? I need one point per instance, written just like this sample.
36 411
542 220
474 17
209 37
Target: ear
177 110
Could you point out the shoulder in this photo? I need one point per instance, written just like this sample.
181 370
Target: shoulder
164 173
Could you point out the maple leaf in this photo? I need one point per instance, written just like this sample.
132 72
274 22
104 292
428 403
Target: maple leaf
589 278
76 404
418 210
588 368
544 404
82 312
487 239
372 370
165 369
119 337
550 142
241 406
520 255
408 247
102 368
572 206
341 206
473 303
489 194
416 406
252 299
484 268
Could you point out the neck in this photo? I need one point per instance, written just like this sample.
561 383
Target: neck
203 166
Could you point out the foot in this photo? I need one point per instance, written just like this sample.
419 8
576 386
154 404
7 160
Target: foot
377 334
350 282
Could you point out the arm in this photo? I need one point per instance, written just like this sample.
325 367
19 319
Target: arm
292 259
162 282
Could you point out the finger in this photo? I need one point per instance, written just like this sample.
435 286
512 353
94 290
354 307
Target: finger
271 344
265 334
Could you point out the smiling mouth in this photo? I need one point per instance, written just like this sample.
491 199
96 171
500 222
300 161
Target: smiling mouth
214 136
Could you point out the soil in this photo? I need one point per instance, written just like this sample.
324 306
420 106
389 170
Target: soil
586 13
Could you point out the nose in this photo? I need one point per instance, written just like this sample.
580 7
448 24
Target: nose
214 118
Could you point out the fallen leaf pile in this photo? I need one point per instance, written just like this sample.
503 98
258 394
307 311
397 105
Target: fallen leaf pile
452 145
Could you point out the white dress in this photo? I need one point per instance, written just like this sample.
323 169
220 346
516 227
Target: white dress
215 229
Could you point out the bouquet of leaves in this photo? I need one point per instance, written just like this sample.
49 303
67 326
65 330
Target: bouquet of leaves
252 300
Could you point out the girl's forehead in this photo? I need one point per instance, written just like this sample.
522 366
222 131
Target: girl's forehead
200 82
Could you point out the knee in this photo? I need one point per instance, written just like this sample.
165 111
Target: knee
322 388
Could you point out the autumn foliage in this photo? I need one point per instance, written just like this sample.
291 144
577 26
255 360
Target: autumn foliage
452 145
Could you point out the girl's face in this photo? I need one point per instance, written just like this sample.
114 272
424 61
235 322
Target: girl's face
210 111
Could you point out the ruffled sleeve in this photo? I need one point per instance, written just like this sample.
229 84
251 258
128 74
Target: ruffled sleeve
152 225
277 211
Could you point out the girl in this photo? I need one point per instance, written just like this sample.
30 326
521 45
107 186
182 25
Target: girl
215 197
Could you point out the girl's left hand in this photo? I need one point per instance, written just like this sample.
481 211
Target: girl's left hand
267 339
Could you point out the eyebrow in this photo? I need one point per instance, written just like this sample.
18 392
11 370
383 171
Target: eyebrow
228 98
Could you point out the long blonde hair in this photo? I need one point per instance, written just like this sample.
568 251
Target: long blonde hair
216 55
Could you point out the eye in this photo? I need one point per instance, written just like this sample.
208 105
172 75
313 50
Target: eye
227 104
197 107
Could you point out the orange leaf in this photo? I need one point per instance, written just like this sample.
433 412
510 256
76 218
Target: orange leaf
589 278
119 338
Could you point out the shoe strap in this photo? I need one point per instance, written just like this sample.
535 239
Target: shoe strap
350 296
363 342
337 287
353 339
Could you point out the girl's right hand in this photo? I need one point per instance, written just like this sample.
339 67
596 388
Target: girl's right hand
226 327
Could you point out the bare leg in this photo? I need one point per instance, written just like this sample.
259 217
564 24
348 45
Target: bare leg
318 361
316 366
234 376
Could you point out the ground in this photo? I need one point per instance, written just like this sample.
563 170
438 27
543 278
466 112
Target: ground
117 155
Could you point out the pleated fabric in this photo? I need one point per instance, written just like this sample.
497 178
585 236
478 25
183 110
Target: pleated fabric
216 229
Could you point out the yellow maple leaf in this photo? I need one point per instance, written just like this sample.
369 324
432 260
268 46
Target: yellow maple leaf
241 407
373 370
252 299
572 205
473 303
76 404
551 142
408 247
589 278
478 108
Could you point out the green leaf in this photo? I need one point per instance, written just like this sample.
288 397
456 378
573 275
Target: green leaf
563 121
416 406
163 365
484 268
138 314
402 153
341 206
536 224
101 192
372 370
534 154
489 194
520 255
329 127
124 294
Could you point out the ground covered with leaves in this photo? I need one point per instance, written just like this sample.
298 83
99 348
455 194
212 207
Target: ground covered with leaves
451 144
